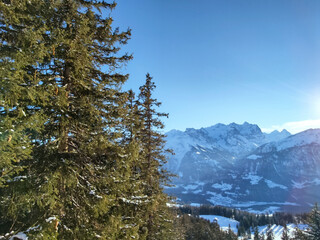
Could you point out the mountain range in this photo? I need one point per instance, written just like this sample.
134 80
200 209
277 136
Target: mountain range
241 166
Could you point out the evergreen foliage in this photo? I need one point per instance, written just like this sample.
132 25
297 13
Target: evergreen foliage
285 235
19 84
299 235
246 220
196 228
270 235
230 234
256 234
80 158
155 177
313 232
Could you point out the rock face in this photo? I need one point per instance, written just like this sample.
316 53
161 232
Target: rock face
240 166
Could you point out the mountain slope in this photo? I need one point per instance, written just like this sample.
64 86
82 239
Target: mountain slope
215 147
235 165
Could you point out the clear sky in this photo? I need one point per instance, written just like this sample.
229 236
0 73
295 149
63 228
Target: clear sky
223 61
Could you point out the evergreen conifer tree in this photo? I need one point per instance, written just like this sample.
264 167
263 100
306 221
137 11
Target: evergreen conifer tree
230 234
61 122
299 234
285 234
314 223
19 83
256 233
159 216
21 93
270 235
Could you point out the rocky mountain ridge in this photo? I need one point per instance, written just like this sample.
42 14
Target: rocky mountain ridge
240 166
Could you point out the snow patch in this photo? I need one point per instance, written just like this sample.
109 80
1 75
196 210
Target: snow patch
253 203
274 185
197 191
254 157
195 204
304 184
218 199
222 221
50 219
222 186
20 235
190 187
254 179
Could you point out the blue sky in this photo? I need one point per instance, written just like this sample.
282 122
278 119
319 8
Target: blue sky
223 61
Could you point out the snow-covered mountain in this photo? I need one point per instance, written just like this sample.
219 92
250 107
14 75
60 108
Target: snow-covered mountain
233 140
240 166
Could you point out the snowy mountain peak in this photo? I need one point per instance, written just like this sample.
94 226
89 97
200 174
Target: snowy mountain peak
276 135
311 136
284 131
231 141
238 165
222 130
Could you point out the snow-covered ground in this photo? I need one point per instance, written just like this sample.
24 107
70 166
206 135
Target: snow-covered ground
223 222
273 184
20 236
277 230
254 179
223 186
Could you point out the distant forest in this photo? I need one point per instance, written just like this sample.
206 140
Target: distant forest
247 221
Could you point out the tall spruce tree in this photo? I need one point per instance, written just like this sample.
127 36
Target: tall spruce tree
256 233
270 235
314 223
61 122
19 83
159 217
21 93
285 234
299 234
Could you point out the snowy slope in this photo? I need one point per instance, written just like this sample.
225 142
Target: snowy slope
233 141
300 139
276 229
222 221
276 135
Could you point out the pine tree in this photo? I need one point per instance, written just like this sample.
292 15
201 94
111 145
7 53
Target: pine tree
241 231
285 235
61 121
256 233
135 202
19 84
299 235
270 235
230 234
159 223
314 223
20 92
